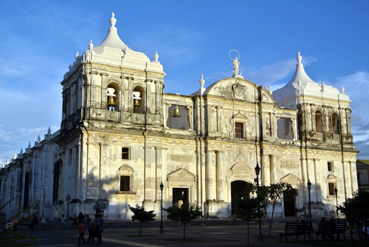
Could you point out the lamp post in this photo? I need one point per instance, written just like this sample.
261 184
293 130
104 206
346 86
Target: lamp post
336 192
311 220
68 200
161 230
257 172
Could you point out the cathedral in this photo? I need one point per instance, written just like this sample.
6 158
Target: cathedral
123 141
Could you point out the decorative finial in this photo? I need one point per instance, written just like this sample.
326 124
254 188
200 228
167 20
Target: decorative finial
90 46
270 89
112 20
342 90
38 138
156 56
15 156
49 131
70 65
298 57
202 81
323 86
21 150
29 145
77 56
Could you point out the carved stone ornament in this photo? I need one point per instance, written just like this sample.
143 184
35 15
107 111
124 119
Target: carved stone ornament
181 174
291 179
238 90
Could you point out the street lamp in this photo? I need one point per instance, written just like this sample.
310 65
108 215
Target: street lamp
257 172
311 220
68 200
335 192
161 230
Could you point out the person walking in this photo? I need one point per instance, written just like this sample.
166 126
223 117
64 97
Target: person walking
81 233
101 227
62 223
97 229
90 231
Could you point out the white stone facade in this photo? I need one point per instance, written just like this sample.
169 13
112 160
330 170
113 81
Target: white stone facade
115 147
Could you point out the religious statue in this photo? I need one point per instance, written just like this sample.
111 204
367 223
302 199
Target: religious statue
236 66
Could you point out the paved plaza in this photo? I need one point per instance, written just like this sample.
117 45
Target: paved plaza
218 235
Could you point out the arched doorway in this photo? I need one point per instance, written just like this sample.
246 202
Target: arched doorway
236 190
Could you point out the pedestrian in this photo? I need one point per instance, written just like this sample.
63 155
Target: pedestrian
15 224
32 226
97 209
81 217
88 221
97 229
91 232
62 223
81 233
234 219
101 227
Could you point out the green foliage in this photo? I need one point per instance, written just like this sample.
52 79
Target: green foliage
184 214
356 209
273 194
141 215
10 238
248 208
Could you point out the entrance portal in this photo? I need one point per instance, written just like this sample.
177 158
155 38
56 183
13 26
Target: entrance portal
180 196
289 204
236 190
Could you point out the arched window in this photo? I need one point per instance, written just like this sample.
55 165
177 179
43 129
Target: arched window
112 97
335 123
318 121
138 100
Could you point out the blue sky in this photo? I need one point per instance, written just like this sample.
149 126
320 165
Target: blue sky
40 38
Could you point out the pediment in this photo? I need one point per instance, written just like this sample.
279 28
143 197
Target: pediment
234 88
239 115
125 168
291 179
241 167
181 173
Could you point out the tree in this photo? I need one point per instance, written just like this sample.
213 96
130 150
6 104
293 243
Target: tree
247 208
184 214
356 210
10 238
141 215
273 194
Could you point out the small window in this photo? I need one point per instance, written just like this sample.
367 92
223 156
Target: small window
125 153
330 166
331 189
239 130
124 183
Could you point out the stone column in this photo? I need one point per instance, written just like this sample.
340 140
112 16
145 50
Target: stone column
104 92
273 169
129 100
166 114
210 177
304 179
348 120
220 177
265 170
159 172
148 105
149 179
